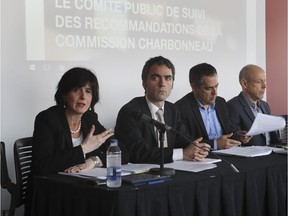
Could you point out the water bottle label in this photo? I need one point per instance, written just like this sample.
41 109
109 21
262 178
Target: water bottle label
113 173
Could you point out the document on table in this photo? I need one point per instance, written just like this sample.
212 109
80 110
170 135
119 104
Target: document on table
97 173
194 166
266 123
278 150
249 151
191 166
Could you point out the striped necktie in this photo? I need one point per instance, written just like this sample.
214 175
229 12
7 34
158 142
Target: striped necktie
160 117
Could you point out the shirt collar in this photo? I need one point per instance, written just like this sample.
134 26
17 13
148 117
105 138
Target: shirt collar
200 105
153 108
250 103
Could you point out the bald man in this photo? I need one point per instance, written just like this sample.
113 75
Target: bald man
245 106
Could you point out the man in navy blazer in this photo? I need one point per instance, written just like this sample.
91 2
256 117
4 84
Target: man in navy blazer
245 106
204 113
140 137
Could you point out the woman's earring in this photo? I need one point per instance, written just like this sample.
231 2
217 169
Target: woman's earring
90 108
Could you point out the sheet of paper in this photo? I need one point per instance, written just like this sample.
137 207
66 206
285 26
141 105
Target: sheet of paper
249 151
280 150
190 166
266 123
98 173
206 161
193 166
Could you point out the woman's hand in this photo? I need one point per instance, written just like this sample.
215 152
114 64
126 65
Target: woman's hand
88 165
93 142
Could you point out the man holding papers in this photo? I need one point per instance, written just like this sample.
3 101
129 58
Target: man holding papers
245 106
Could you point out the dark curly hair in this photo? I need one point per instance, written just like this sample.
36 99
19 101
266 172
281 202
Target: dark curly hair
77 77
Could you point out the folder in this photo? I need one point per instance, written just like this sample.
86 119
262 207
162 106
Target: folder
144 178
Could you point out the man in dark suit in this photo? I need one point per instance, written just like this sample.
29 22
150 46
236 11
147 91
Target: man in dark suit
140 137
245 106
204 113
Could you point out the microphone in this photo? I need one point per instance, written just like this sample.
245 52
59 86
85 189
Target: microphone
160 126
145 118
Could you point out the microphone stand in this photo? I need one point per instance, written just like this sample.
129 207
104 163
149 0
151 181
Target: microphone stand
163 171
162 128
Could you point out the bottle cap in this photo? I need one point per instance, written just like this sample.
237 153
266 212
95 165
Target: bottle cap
114 141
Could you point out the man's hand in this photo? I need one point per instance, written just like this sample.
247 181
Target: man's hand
225 142
196 151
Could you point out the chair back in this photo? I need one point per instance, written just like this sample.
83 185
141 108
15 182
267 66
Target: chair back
283 132
5 179
23 163
7 183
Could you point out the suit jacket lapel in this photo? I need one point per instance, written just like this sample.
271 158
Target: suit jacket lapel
246 107
197 114
145 109
66 130
220 115
263 108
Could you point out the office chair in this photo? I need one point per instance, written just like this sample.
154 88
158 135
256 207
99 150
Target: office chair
23 162
6 182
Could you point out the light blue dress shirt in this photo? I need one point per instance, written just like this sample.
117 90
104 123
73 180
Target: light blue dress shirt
211 122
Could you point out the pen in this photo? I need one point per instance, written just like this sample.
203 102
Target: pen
135 172
139 172
282 146
158 181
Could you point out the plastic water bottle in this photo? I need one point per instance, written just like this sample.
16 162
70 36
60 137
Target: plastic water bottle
113 155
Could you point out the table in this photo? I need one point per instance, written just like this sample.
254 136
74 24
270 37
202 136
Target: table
259 189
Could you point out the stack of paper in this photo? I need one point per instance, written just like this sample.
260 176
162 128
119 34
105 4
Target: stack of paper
250 151
191 166
127 169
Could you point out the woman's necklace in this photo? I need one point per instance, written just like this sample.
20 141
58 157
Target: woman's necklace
79 128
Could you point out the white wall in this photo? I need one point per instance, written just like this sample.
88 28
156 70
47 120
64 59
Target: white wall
32 62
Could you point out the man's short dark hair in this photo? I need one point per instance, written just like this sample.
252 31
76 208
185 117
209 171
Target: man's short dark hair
197 72
158 60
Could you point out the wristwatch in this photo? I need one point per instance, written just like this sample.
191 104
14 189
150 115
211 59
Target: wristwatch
97 161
